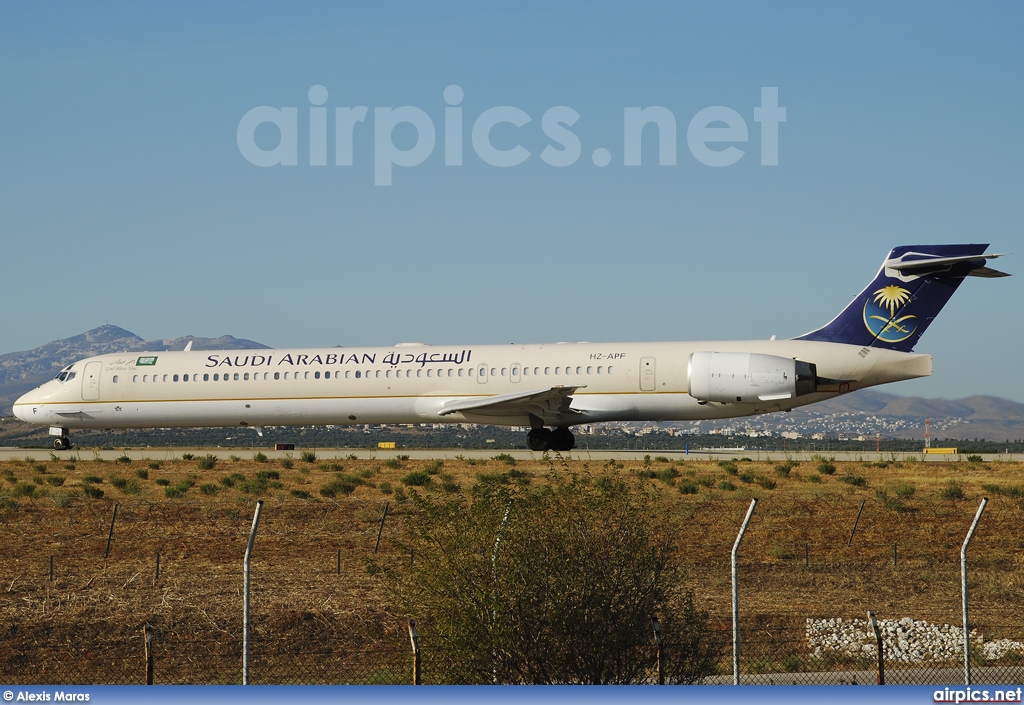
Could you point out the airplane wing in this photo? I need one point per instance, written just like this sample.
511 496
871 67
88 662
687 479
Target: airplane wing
552 400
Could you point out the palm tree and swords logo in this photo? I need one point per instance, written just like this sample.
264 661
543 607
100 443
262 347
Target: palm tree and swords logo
880 314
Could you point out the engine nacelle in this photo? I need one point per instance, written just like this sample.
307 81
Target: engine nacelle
747 377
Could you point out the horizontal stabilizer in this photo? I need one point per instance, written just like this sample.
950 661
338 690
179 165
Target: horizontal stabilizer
551 399
931 265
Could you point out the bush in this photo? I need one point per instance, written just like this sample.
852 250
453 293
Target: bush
308 456
287 463
260 458
974 458
505 581
340 485
505 458
92 492
952 490
393 463
417 478
143 473
55 480
855 480
826 468
209 489
726 485
207 462
124 459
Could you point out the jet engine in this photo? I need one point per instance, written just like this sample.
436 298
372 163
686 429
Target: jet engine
731 377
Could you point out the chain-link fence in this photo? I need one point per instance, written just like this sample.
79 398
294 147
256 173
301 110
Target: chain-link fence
72 617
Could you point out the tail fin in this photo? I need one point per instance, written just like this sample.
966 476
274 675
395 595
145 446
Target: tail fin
910 289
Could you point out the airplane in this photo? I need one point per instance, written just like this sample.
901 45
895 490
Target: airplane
548 388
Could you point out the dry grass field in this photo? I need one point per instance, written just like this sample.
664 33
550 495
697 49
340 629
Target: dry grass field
319 617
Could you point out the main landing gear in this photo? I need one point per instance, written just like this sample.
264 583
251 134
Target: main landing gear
61 440
560 439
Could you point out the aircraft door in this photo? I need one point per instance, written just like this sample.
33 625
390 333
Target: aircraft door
647 374
514 372
91 381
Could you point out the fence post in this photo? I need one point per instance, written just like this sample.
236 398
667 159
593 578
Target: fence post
110 535
879 646
147 635
381 529
736 598
245 598
414 639
855 522
656 625
51 568
963 590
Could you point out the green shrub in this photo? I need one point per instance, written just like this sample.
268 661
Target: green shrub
131 487
434 467
952 490
747 476
393 463
687 487
24 489
385 488
726 485
505 458
209 489
55 480
162 481
260 458
340 485
765 482
142 473
417 478
152 466
300 494
826 468
92 480
92 492
974 458
207 462
187 456
855 480
308 456
287 463
729 466
903 490
124 459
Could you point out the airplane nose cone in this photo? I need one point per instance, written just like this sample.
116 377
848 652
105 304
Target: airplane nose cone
23 407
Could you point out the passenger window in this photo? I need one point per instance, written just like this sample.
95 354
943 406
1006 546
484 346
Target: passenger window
358 374
185 378
600 369
504 371
277 375
558 371
236 376
216 377
579 370
135 378
494 371
175 378
609 369
115 379
206 377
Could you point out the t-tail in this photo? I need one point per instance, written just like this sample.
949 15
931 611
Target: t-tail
908 292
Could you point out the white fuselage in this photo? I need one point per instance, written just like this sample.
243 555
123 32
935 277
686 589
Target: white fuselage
423 384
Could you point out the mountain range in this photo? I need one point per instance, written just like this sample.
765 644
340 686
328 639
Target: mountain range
863 413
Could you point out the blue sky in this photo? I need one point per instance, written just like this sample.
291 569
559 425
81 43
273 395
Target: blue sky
125 196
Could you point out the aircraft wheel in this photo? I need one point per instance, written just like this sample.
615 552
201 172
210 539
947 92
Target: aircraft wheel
562 439
61 443
539 439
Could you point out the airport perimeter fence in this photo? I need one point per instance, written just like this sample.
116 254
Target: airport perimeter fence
74 605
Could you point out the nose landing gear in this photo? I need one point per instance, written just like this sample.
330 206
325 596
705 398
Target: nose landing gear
61 440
